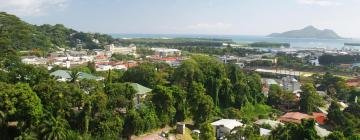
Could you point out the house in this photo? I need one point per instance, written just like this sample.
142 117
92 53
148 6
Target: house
272 123
289 83
322 132
353 82
164 52
265 132
64 75
224 126
320 118
141 92
314 62
33 60
171 61
296 117
130 50
103 67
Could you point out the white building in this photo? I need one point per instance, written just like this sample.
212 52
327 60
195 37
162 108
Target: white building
130 50
314 62
33 60
274 124
110 67
164 52
224 126
290 84
103 67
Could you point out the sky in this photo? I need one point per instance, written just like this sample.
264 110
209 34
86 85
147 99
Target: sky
218 17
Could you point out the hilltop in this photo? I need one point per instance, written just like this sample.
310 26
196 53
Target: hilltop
308 32
20 35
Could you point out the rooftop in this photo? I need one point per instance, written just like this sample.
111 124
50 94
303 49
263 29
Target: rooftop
64 74
140 89
228 123
272 123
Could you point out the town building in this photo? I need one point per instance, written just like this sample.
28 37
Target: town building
224 126
64 75
289 83
274 124
33 60
130 50
141 92
164 52
296 117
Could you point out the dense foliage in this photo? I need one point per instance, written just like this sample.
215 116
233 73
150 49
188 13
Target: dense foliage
269 45
338 59
174 42
19 35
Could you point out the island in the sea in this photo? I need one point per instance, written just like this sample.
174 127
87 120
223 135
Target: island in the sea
308 32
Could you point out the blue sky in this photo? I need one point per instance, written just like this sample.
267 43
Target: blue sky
239 17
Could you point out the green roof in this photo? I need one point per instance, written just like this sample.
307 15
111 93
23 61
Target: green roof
66 75
140 89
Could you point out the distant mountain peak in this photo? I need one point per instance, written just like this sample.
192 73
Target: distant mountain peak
308 32
310 27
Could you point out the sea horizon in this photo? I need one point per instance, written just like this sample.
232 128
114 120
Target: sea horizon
294 42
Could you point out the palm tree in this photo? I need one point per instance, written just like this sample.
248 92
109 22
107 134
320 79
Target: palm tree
54 128
74 75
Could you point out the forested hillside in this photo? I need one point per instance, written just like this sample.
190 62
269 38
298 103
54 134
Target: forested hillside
19 35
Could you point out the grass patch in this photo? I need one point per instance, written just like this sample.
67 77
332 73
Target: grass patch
251 112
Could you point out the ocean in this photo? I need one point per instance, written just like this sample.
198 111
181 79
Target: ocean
294 42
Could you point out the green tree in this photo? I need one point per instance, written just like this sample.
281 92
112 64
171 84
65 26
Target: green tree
246 132
188 72
147 111
164 103
254 83
54 128
133 123
242 94
226 98
207 132
309 99
291 131
180 105
20 103
94 100
278 97
74 75
203 109
234 73
113 126
144 74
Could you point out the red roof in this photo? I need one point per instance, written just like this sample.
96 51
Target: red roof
319 117
168 59
353 82
296 117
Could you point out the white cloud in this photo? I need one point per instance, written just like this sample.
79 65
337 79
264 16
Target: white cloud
320 2
31 7
208 26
